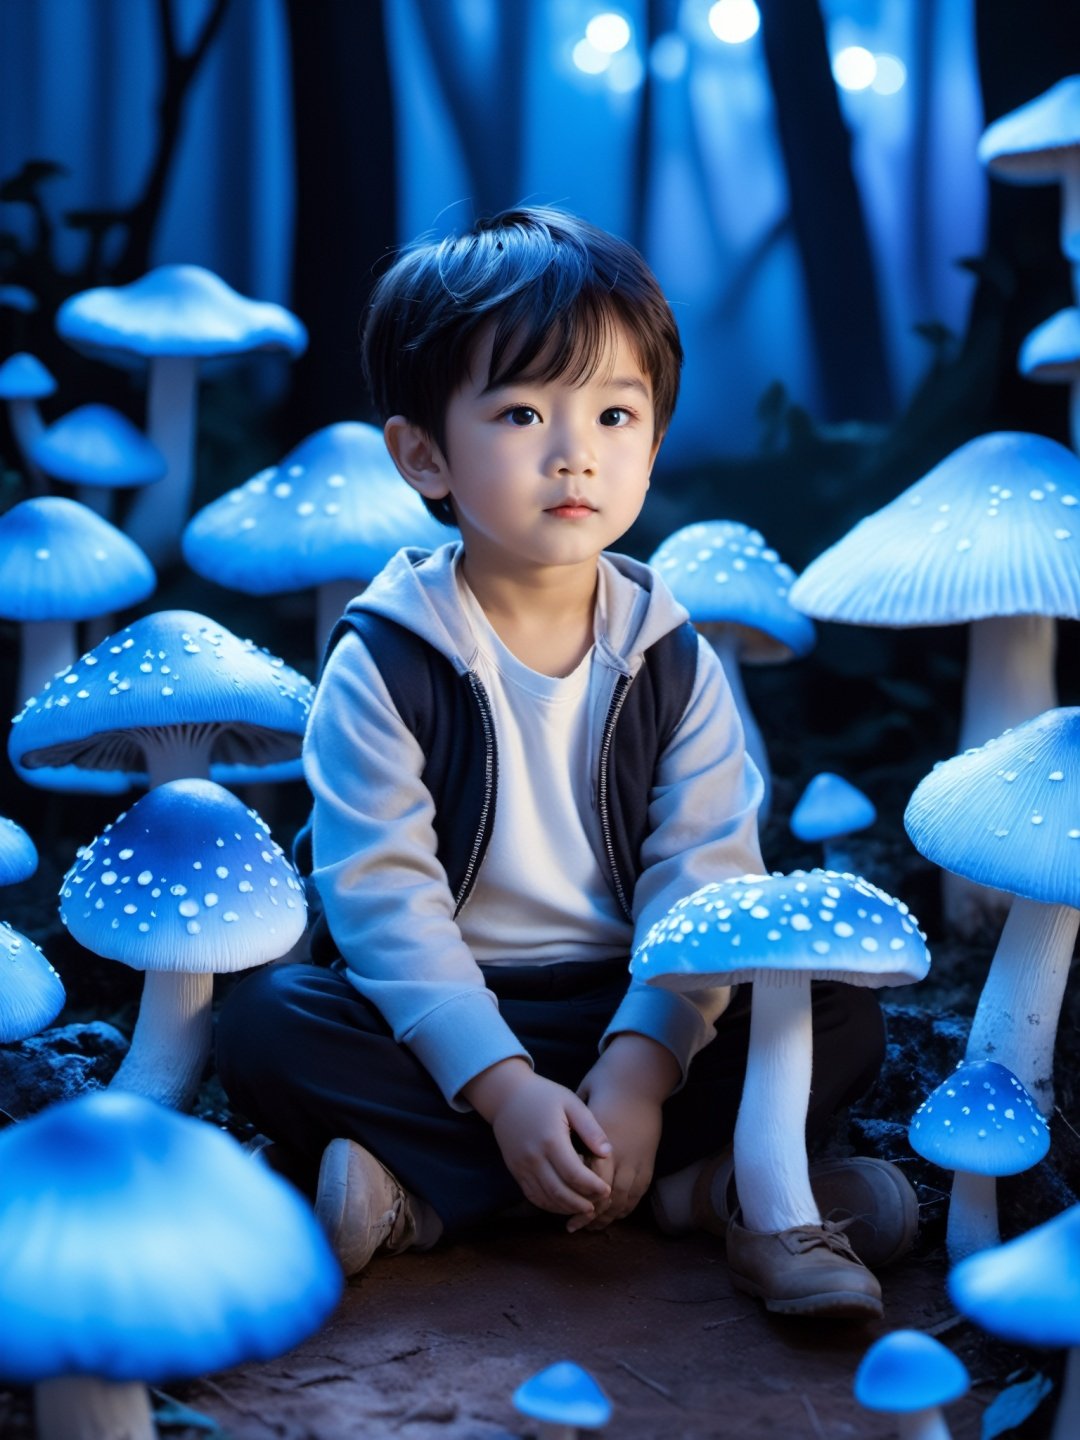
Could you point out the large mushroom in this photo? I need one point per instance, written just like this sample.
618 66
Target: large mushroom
172 696
31 992
59 563
1007 815
1028 1291
138 1246
173 317
97 450
980 1123
989 538
1039 144
736 590
780 932
186 883
328 517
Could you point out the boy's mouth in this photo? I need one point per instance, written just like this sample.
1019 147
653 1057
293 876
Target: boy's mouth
572 509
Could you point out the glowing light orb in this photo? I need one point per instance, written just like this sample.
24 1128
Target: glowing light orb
669 56
626 73
890 76
734 21
609 32
589 59
854 68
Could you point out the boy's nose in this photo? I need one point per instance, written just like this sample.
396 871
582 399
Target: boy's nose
573 455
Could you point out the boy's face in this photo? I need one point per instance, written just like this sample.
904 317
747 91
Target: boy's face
549 473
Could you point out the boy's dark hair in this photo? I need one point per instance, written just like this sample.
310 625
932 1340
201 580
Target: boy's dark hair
551 285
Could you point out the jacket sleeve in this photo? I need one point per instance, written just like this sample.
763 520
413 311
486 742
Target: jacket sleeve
385 895
702 827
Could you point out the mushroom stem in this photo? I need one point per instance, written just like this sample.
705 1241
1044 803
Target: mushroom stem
26 426
836 855
973 1215
1016 1018
1067 1419
928 1424
82 1407
171 1043
177 753
1010 675
1070 209
1074 405
771 1168
724 641
330 601
159 512
47 646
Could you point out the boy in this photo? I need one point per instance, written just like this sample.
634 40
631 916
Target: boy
521 755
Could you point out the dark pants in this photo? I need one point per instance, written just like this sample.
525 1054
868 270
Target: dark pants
307 1060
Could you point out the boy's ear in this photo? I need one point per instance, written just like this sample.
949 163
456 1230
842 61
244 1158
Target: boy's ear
417 457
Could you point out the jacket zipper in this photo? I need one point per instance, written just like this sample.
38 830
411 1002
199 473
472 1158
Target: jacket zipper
618 698
484 706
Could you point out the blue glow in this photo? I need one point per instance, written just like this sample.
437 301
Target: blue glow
589 59
669 57
890 76
734 21
609 32
854 68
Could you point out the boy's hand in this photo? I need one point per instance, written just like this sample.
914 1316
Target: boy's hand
626 1090
534 1120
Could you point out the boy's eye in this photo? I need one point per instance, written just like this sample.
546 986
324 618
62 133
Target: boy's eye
521 415
615 415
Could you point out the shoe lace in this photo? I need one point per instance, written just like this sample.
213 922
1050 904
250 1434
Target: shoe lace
828 1235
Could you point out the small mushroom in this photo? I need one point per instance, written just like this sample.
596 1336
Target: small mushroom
173 317
736 591
328 517
98 450
829 810
59 563
1007 815
31 992
1028 1291
138 1246
18 853
172 696
23 382
1051 354
565 1399
980 1123
186 883
780 932
1039 144
988 538
909 1375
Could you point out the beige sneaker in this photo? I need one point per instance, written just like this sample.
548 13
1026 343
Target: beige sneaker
807 1270
362 1207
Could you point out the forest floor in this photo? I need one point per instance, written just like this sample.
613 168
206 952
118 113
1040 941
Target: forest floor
434 1345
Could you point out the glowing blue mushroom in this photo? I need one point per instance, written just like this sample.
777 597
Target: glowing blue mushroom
565 1399
139 1246
980 1122
24 381
186 883
173 317
97 450
909 1375
1051 355
829 810
31 992
18 853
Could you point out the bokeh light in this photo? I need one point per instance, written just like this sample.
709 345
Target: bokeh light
734 21
608 32
890 75
669 56
854 68
589 59
626 72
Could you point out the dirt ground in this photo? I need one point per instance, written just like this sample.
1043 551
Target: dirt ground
434 1345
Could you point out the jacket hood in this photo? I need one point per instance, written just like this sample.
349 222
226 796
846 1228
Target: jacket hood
418 589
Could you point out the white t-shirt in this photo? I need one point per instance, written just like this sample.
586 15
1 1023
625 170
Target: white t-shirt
540 895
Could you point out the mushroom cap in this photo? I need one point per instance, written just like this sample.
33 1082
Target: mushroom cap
831 806
1051 353
187 880
60 561
137 1244
31 992
24 377
1032 144
1027 1289
823 924
909 1370
1007 814
96 445
991 530
178 310
174 668
334 509
18 854
563 1394
980 1120
724 573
